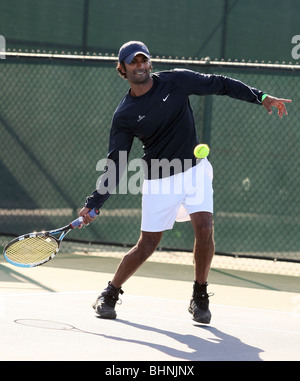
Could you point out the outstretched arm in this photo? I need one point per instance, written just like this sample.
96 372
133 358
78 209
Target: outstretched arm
279 103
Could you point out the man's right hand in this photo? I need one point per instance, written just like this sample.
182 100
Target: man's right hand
87 219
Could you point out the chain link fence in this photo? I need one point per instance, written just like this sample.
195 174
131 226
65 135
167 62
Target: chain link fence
55 116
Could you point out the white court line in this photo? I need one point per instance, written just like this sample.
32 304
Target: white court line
124 313
53 293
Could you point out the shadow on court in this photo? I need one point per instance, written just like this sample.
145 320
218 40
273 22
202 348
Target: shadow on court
220 347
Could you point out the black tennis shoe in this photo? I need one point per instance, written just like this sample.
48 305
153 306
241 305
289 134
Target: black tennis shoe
199 304
105 303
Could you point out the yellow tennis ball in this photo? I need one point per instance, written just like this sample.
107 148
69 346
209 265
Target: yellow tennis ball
201 151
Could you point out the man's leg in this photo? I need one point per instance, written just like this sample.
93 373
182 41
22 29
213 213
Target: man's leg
203 254
145 247
204 246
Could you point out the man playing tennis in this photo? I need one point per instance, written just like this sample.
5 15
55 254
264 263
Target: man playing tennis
156 109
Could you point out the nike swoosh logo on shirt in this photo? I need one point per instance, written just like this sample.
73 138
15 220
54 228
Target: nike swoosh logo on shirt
164 99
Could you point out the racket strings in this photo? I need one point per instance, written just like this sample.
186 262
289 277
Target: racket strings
32 250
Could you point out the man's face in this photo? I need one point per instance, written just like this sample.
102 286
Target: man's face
138 71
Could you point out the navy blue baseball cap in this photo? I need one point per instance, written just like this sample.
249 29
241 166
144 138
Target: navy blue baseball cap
129 50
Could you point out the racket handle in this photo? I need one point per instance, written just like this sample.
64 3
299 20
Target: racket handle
76 223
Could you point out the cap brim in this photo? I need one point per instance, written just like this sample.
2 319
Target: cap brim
131 56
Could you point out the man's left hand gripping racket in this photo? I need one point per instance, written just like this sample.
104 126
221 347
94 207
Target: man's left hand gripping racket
34 249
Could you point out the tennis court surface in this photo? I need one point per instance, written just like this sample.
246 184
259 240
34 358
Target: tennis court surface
46 314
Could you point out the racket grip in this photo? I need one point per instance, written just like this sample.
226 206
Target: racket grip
76 223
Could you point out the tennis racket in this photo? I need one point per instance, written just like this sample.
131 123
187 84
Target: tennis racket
35 249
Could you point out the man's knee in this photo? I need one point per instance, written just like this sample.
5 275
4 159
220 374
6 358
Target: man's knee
149 241
203 225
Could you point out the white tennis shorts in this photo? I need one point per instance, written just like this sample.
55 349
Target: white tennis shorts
174 198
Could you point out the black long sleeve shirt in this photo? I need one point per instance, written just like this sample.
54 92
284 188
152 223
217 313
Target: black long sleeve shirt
162 119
